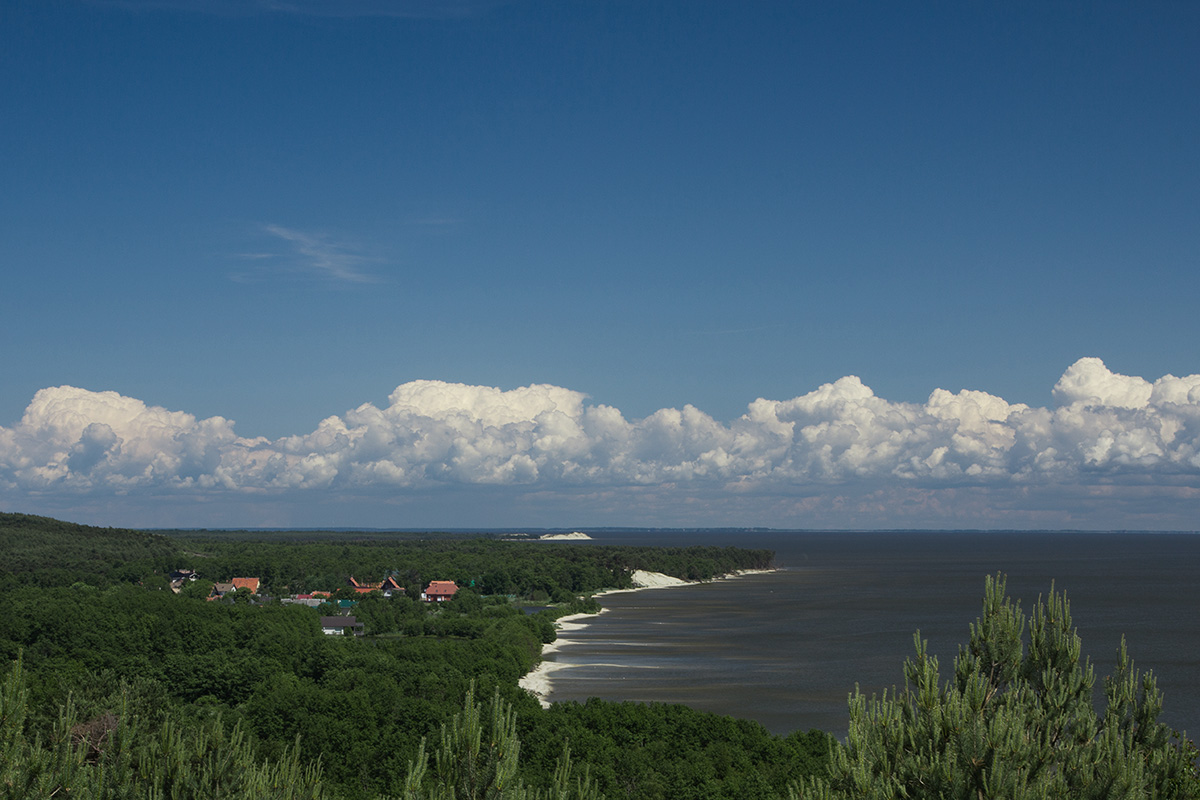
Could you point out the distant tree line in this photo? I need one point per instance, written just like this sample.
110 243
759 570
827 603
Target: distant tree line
41 551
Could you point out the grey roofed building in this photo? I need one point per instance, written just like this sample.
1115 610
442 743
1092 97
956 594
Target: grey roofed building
311 602
333 626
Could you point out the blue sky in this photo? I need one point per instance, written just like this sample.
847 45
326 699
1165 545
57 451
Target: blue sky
260 215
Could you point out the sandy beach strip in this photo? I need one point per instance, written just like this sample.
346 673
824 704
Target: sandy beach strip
539 681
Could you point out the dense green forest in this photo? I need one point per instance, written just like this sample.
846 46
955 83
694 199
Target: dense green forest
115 686
89 616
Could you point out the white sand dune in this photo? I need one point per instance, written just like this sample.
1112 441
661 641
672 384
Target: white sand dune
654 580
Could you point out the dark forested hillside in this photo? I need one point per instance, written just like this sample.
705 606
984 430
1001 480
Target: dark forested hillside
48 552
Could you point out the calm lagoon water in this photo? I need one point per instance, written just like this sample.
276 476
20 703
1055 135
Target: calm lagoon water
786 648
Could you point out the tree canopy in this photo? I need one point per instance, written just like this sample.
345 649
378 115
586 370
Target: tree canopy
1017 719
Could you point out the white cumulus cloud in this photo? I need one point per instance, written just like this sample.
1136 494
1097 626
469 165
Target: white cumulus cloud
1105 428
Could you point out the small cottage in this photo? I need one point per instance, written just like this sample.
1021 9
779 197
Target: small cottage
439 591
337 626
222 589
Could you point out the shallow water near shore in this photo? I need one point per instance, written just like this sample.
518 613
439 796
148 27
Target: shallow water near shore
786 648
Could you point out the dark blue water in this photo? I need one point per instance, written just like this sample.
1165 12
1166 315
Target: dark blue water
787 648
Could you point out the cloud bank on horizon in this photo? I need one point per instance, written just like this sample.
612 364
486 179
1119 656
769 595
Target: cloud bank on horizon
1105 430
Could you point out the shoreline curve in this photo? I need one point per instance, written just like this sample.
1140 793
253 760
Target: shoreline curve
539 681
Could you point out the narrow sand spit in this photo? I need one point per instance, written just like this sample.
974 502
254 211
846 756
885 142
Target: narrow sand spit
574 536
538 682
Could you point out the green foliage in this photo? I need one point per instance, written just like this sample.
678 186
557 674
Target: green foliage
39 551
543 571
47 552
197 589
480 762
1016 721
119 756
668 751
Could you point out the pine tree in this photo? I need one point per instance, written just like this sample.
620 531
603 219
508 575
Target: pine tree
478 761
118 757
1016 721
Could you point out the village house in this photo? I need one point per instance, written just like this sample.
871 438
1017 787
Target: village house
310 600
246 583
388 586
439 591
222 589
179 577
317 598
337 626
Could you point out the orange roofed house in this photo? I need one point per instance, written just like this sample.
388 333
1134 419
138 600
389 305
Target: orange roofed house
388 587
222 589
437 591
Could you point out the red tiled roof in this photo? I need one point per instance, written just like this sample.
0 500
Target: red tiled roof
245 583
445 588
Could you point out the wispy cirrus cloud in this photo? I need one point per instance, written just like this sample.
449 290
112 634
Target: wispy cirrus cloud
309 254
